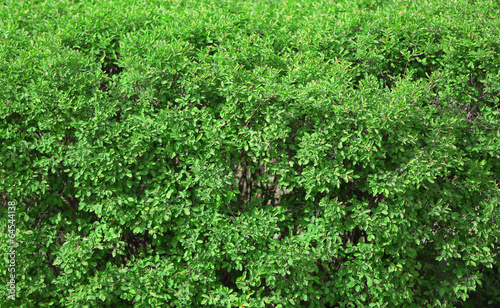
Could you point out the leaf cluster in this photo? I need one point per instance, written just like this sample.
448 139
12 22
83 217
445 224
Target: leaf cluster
251 154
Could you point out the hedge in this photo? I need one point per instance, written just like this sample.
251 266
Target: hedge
250 153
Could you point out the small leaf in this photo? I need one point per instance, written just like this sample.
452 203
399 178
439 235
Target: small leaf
441 291
169 193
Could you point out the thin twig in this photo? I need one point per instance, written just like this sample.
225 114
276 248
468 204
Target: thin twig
254 112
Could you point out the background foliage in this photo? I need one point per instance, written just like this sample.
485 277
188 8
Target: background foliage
251 154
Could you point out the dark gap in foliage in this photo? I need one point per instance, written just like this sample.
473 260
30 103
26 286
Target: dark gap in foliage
351 238
202 38
247 63
246 181
118 115
228 277
104 86
359 76
487 293
135 245
278 63
117 301
214 101
108 56
110 65
13 116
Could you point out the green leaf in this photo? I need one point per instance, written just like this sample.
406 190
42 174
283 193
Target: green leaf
129 183
169 193
441 291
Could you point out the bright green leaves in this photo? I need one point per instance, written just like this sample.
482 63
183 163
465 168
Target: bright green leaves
189 154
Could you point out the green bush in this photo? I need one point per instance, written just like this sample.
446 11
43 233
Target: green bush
250 154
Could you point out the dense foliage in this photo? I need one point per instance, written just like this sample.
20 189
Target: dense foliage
250 153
